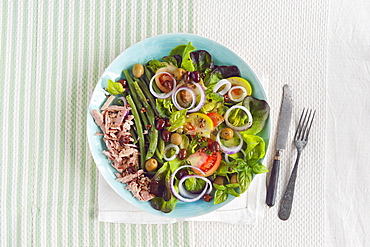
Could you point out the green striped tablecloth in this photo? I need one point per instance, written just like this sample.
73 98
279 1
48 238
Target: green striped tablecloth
52 54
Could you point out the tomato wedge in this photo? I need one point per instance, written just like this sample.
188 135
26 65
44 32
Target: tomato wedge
207 163
217 119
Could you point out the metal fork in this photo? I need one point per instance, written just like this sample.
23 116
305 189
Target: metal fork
300 141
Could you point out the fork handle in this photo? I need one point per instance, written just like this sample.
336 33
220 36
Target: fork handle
271 191
287 201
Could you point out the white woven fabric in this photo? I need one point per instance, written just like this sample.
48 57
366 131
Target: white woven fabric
286 40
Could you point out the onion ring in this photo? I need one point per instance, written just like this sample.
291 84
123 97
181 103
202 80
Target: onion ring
162 95
201 101
177 150
220 84
174 99
239 99
180 197
227 156
184 192
232 149
240 128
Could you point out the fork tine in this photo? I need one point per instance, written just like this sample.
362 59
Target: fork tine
309 128
298 132
305 124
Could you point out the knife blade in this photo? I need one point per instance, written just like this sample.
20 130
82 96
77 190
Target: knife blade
282 136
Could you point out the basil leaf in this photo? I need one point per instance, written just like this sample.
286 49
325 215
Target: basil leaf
255 148
177 119
220 196
244 178
258 168
235 185
219 187
232 192
114 88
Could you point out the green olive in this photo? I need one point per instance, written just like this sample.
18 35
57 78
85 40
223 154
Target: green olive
138 70
179 73
176 139
151 165
234 179
220 180
227 133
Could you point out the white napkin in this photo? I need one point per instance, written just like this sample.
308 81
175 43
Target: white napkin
245 209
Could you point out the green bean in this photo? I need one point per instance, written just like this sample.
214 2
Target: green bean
139 130
153 134
160 149
148 94
149 76
135 96
143 99
152 143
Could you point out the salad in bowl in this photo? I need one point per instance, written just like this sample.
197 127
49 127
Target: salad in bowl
181 130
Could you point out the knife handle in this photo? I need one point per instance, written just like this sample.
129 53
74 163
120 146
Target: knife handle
271 191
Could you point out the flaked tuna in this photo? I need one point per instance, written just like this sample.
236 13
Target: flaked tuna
115 124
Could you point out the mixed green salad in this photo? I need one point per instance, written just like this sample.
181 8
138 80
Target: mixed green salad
195 125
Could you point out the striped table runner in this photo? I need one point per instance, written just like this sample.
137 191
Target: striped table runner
52 54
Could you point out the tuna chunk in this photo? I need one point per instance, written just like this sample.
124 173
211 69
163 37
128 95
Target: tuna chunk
115 124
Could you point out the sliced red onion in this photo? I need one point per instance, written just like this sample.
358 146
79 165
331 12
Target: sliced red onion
169 146
243 127
227 156
238 99
220 84
162 95
124 104
202 99
232 149
180 197
174 98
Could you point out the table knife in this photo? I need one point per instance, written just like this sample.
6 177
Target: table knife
282 136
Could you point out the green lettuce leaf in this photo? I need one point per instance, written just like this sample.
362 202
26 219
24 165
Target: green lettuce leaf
202 60
154 65
219 73
238 117
160 187
171 60
165 107
194 185
184 51
114 88
160 204
177 120
213 101
260 111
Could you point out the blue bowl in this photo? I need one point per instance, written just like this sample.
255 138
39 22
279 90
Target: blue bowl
141 52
